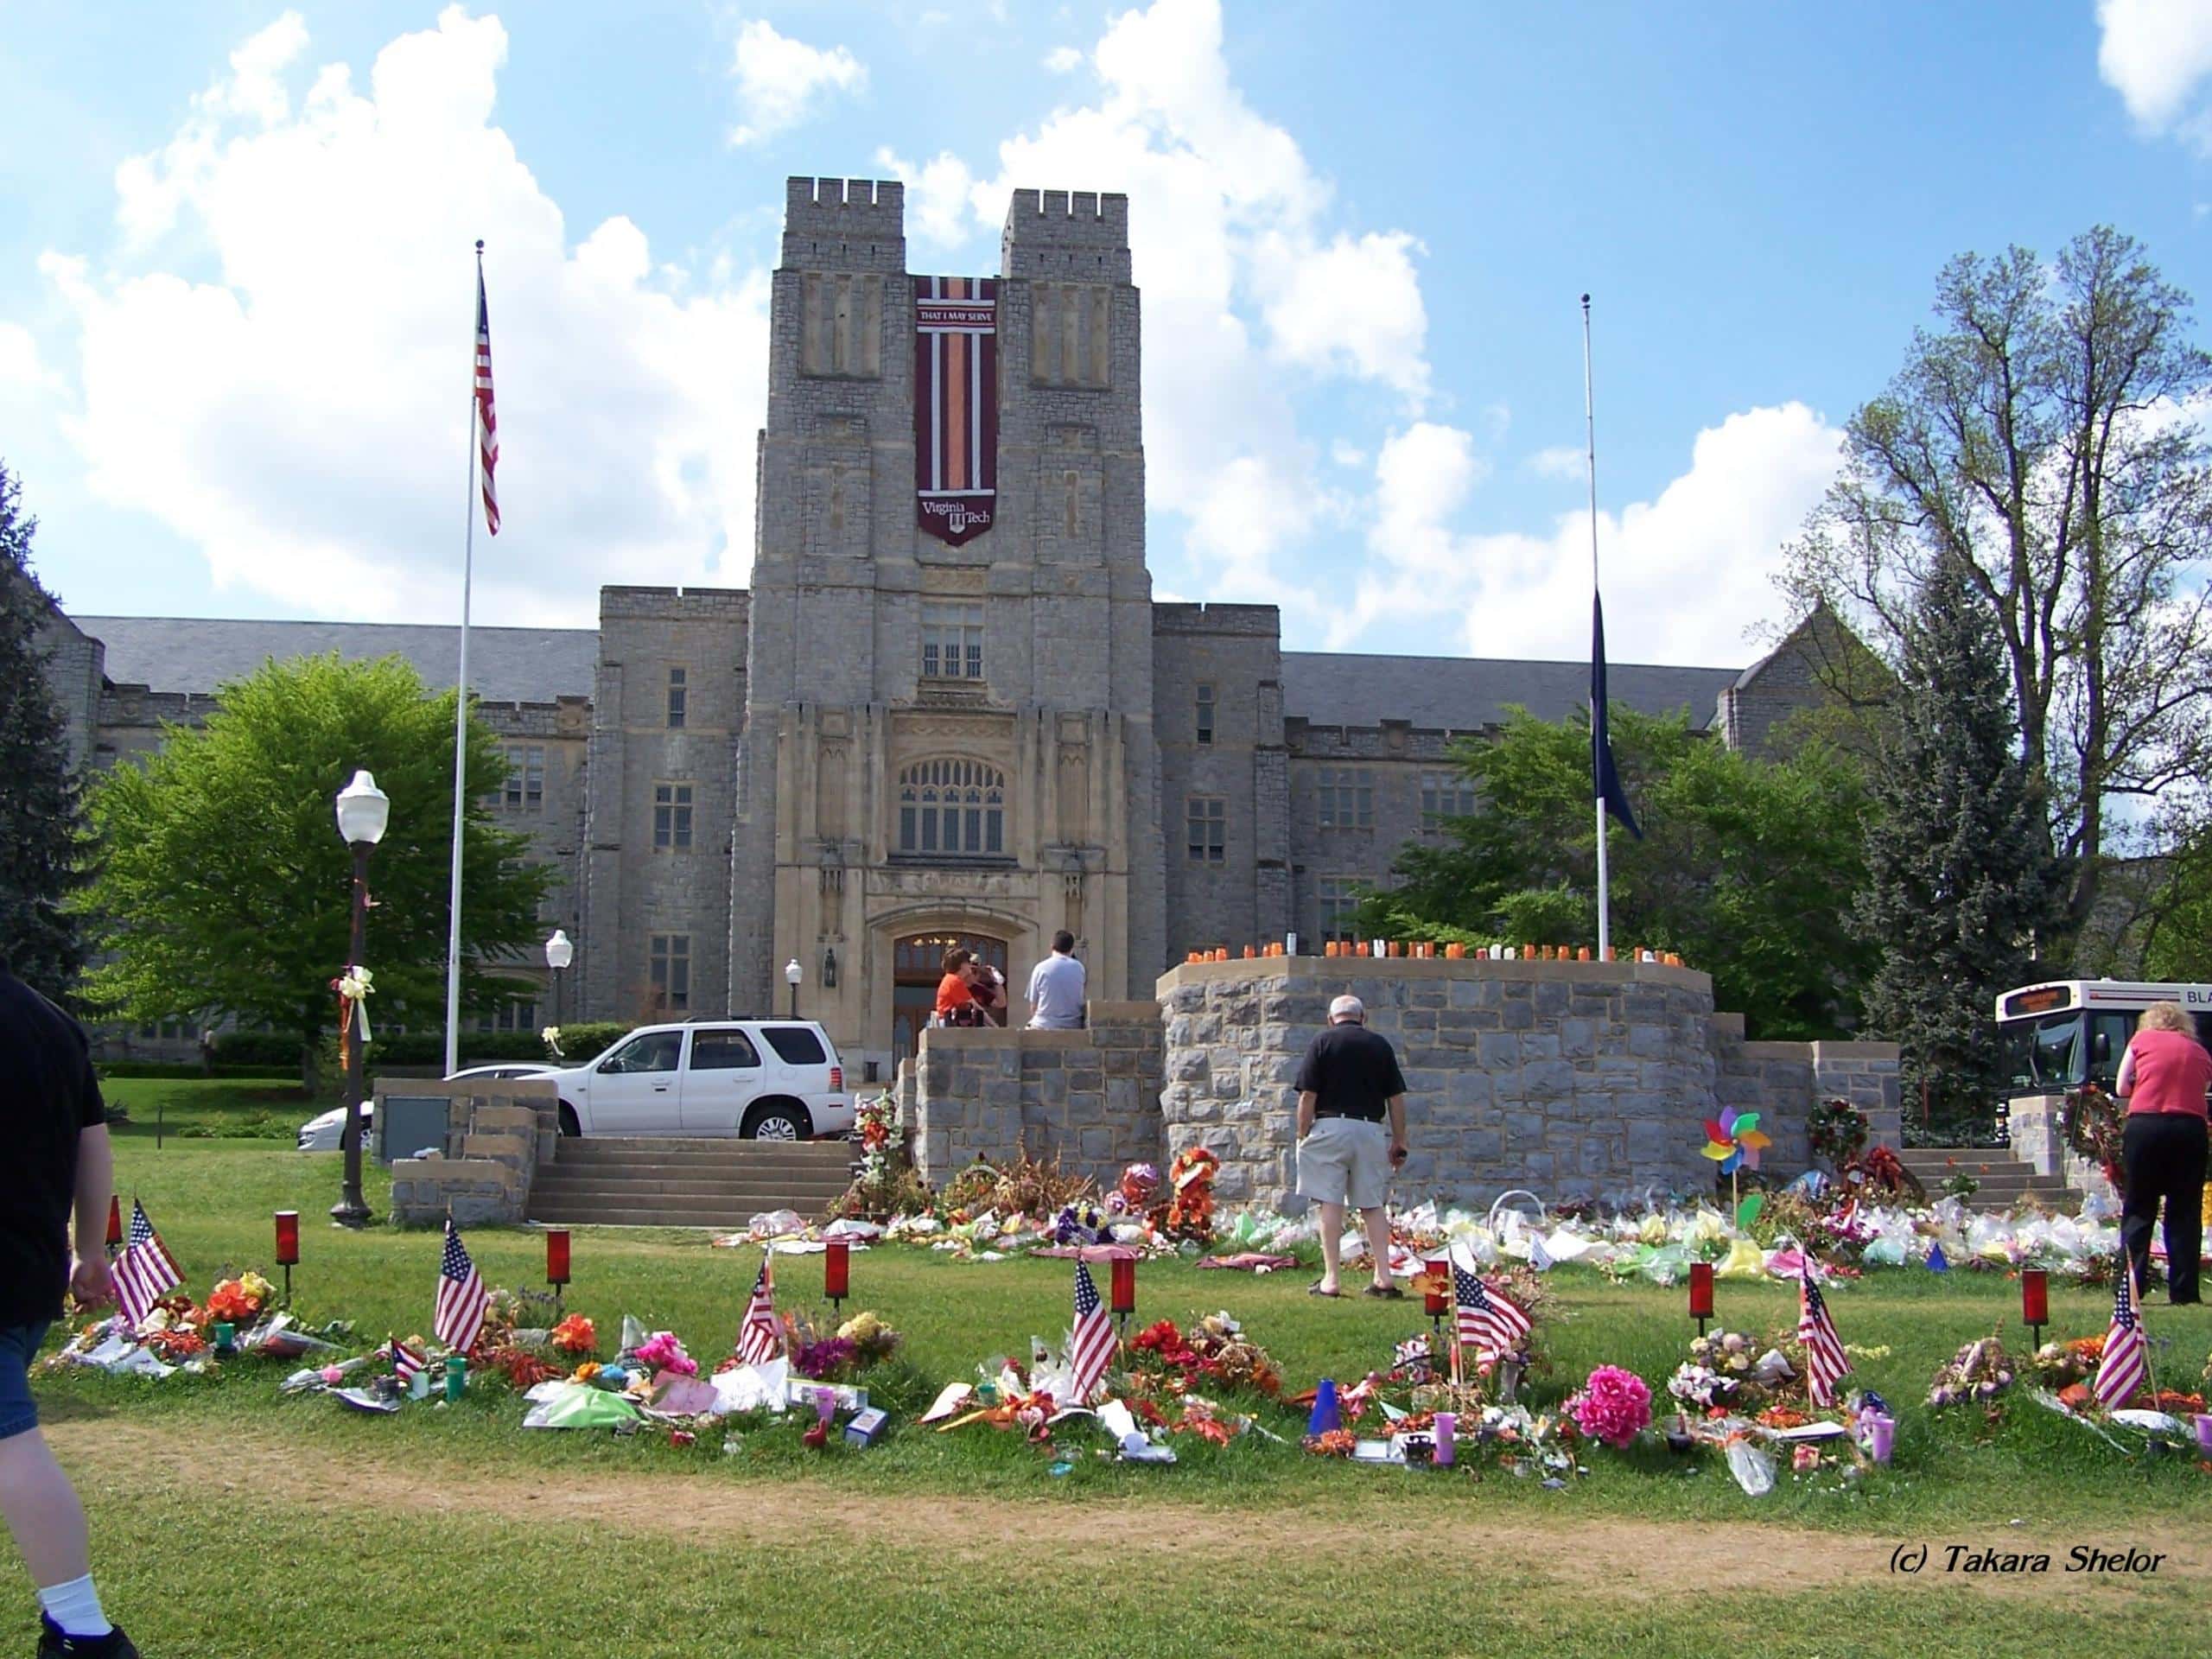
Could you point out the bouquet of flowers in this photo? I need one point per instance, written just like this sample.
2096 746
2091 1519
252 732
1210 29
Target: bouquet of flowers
240 1301
1614 1406
872 1340
1721 1371
1188 1213
1216 1348
574 1337
1978 1372
2059 1364
663 1352
1132 1196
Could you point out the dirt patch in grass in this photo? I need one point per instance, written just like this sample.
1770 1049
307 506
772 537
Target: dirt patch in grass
1642 1561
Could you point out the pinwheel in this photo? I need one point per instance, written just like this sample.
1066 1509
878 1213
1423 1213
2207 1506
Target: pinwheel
1734 1141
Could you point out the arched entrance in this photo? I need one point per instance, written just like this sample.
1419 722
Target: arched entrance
916 965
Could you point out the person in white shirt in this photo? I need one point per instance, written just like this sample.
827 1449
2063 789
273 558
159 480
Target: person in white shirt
1056 988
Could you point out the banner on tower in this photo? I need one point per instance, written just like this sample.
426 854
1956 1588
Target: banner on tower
955 406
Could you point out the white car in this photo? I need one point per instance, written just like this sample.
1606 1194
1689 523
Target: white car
323 1132
761 1079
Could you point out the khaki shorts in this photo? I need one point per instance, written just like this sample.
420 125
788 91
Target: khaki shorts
1345 1161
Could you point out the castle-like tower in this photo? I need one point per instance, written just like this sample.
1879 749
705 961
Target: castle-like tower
940 726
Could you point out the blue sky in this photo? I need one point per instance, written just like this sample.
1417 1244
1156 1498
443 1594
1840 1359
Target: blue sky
234 276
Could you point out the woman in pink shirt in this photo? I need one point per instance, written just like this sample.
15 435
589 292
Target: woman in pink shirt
2162 1077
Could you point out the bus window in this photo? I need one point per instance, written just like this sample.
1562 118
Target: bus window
2108 1042
2055 1056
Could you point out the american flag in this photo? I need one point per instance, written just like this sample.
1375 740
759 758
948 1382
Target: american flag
1492 1324
1825 1362
487 420
405 1361
2126 1364
460 1312
760 1338
145 1270
1091 1347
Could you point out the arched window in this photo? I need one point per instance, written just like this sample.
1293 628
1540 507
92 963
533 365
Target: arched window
952 806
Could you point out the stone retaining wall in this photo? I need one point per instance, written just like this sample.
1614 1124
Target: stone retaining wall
1783 1081
500 1131
1089 1098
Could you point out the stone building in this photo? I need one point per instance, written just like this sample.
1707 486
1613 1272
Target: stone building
947 708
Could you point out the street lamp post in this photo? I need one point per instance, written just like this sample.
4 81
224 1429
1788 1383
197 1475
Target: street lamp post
792 974
363 811
559 953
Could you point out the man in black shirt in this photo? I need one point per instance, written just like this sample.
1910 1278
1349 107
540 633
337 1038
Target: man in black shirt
1348 1085
54 1158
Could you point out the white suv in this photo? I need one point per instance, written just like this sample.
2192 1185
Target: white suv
763 1079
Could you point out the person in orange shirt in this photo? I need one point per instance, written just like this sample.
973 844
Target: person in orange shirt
955 999
2164 1078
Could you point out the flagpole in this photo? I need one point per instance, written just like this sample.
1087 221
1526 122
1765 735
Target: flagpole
461 702
1590 432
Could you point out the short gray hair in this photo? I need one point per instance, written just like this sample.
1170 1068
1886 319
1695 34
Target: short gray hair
1347 1007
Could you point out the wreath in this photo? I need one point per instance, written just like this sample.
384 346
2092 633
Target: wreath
1838 1131
2096 1125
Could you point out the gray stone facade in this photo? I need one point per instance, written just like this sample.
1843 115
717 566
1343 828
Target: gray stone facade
1088 1099
721 774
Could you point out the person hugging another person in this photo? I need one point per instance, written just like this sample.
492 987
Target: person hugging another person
972 991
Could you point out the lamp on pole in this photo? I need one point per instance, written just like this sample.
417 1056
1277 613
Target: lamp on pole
792 974
363 811
559 953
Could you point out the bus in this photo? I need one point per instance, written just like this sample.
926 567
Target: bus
2064 1032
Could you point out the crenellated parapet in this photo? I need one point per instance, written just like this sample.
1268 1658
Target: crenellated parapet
1073 235
848 223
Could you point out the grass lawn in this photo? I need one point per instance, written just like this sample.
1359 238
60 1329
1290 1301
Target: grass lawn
229 1521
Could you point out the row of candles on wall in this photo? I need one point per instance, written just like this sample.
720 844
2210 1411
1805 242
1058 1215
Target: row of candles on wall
1428 949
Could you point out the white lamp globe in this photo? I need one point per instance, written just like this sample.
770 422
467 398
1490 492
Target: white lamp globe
792 972
559 950
363 811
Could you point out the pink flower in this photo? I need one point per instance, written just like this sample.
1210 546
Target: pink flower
1614 1406
664 1353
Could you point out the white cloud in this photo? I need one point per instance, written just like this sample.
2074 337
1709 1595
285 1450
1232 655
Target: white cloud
780 80
1686 576
302 417
939 197
21 370
2156 54
1063 60
1241 273
1558 460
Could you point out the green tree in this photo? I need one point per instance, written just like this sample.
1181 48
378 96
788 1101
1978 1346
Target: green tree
1961 880
224 889
1746 869
41 802
2040 433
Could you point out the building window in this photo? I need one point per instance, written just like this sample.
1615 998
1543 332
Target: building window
1337 898
952 642
679 696
1205 714
167 1031
526 789
1347 797
672 817
669 966
509 1016
1207 818
1444 795
952 806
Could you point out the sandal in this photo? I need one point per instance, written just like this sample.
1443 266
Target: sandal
1385 1293
1314 1289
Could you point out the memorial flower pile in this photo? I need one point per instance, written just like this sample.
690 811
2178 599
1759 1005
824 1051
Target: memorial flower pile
1215 1348
574 1337
240 1301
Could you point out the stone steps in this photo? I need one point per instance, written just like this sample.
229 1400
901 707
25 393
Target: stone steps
2004 1180
667 1182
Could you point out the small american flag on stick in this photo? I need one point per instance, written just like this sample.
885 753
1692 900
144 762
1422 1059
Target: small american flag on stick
145 1270
1486 1320
1091 1347
1826 1363
405 1361
2126 1366
460 1313
488 419
760 1338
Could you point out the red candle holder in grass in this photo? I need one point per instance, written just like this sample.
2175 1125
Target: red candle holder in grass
1701 1294
837 1271
114 1223
2035 1301
1123 1287
557 1258
287 1246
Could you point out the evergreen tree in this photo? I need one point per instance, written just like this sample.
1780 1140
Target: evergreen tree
1960 885
41 805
